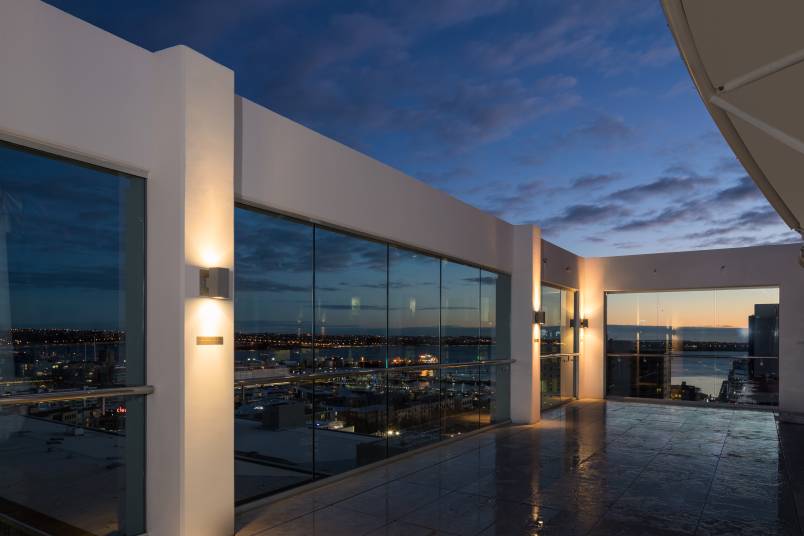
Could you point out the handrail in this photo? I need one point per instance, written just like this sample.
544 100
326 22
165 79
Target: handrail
569 354
76 395
365 371
713 355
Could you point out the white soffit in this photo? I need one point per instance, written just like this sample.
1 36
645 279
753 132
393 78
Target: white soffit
746 58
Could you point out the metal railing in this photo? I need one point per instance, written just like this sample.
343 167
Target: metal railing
566 354
694 377
556 389
711 355
56 396
263 380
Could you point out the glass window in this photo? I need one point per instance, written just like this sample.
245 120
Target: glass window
413 308
460 312
273 337
273 438
375 321
351 316
558 333
414 409
273 295
702 345
350 422
495 307
72 292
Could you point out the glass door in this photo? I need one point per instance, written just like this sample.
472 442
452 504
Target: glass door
558 334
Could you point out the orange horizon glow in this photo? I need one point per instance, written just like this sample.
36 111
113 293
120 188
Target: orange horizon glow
724 308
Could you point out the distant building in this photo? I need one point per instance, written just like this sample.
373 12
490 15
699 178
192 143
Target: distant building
763 330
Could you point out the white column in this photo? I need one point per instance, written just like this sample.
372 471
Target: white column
190 474
525 299
592 304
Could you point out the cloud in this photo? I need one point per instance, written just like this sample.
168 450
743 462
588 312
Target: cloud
595 181
627 245
580 31
605 130
558 82
456 174
474 113
679 169
664 186
743 190
447 13
689 212
679 88
707 143
748 240
584 214
67 277
658 55
628 91
728 164
759 218
528 160
506 199
522 196
749 220
256 282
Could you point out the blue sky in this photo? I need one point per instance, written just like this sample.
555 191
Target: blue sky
577 116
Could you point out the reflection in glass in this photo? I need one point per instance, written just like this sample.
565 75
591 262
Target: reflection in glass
414 409
350 422
273 295
493 391
461 400
495 306
558 333
273 438
74 467
376 317
460 312
413 308
72 317
350 301
558 374
551 328
72 275
558 336
703 345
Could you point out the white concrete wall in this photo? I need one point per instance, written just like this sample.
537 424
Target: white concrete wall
739 267
525 300
292 169
560 266
72 89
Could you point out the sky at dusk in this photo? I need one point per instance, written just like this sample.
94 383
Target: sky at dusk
576 116
722 308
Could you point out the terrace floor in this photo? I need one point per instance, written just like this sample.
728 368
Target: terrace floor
599 468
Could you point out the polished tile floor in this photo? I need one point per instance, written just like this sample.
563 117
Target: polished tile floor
598 468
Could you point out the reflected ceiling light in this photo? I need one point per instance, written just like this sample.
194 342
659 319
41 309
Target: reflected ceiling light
214 283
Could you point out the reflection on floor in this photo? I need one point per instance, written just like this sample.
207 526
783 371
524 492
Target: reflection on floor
588 468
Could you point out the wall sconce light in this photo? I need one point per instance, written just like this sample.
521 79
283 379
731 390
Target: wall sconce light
584 322
214 283
539 317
